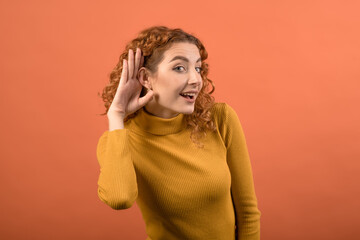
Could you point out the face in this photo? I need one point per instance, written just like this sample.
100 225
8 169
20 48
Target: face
179 72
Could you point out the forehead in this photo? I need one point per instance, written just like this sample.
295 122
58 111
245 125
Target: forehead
187 50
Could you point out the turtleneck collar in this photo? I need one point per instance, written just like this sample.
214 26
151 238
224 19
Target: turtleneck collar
149 123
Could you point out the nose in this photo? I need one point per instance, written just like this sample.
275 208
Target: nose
194 78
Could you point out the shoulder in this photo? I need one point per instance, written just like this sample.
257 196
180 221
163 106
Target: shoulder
227 121
223 113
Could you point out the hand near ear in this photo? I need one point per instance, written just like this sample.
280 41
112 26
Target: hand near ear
126 99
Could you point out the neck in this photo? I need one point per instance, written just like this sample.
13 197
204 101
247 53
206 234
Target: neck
145 121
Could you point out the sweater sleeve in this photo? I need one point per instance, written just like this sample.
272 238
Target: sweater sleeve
242 185
117 185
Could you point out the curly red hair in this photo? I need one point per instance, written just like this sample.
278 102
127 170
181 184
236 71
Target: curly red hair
153 42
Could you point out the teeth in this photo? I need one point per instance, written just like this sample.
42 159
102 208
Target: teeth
188 94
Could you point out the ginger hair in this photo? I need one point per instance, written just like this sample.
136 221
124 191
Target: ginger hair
153 42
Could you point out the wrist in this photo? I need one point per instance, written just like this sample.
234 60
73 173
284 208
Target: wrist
111 114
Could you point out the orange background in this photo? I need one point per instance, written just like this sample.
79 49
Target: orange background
289 68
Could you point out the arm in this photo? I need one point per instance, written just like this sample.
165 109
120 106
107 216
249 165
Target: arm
117 186
242 185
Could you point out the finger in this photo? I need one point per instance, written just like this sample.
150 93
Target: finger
130 64
123 78
137 60
145 99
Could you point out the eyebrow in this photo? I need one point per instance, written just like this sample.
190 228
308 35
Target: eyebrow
182 58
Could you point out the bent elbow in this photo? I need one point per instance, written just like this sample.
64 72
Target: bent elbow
118 202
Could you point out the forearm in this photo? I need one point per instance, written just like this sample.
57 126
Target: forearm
116 121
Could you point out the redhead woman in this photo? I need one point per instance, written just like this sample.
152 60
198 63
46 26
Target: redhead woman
171 148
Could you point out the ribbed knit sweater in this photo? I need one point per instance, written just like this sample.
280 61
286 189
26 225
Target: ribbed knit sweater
183 192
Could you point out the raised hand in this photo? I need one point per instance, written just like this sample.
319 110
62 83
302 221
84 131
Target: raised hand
126 99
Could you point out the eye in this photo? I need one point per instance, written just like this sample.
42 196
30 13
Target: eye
183 67
178 67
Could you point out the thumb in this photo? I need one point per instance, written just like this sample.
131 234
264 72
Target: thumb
145 99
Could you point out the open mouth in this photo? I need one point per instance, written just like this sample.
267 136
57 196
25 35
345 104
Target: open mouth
187 96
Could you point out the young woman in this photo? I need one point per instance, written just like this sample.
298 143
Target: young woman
182 157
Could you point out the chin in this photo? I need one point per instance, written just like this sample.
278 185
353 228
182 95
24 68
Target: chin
188 110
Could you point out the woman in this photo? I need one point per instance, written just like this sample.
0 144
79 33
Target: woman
182 157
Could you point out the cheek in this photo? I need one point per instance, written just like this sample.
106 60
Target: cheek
170 92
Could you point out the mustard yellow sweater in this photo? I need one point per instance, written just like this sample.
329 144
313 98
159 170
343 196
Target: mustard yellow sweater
183 192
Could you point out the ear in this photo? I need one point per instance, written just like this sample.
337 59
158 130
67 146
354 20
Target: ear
143 76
